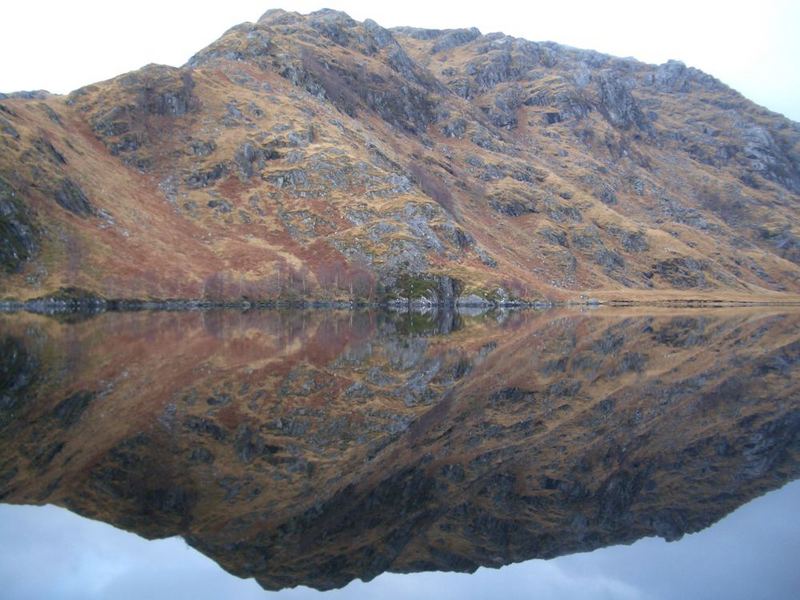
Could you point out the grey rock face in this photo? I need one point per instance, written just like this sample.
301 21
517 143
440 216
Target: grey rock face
514 207
506 104
221 205
484 138
71 197
769 160
609 260
257 50
203 148
333 24
380 36
251 158
154 89
682 272
30 94
485 257
455 128
498 68
618 104
472 300
787 243
116 121
49 151
553 236
8 129
402 103
561 213
563 99
672 76
169 102
126 125
589 242
684 214
455 235
418 33
18 240
68 412
454 38
51 114
201 179
417 219
246 156
632 241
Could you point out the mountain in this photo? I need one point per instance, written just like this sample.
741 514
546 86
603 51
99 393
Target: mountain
316 156
314 448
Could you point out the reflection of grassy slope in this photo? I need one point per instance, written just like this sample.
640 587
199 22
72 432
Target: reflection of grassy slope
226 180
483 443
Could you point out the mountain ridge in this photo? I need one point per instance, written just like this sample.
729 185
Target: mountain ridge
315 156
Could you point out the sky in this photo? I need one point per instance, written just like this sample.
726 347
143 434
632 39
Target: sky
754 47
749 555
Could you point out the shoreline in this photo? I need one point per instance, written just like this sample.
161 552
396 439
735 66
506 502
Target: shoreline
86 304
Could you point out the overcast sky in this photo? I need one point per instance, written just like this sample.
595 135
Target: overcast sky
47 552
60 45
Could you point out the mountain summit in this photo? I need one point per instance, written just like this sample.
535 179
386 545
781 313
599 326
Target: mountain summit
320 157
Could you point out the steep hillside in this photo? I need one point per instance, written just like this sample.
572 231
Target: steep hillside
316 156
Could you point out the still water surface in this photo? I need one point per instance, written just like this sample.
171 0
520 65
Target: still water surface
318 449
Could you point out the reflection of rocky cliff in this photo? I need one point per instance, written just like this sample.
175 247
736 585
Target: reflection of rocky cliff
316 448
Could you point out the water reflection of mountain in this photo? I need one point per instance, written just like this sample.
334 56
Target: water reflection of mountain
314 448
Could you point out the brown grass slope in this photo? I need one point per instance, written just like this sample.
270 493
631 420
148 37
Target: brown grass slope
318 156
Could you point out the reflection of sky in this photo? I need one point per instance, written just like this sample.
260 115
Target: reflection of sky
47 552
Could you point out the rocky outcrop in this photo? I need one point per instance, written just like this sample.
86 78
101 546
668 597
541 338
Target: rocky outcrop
618 104
768 159
424 289
17 231
8 129
71 197
128 115
453 38
682 273
675 76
